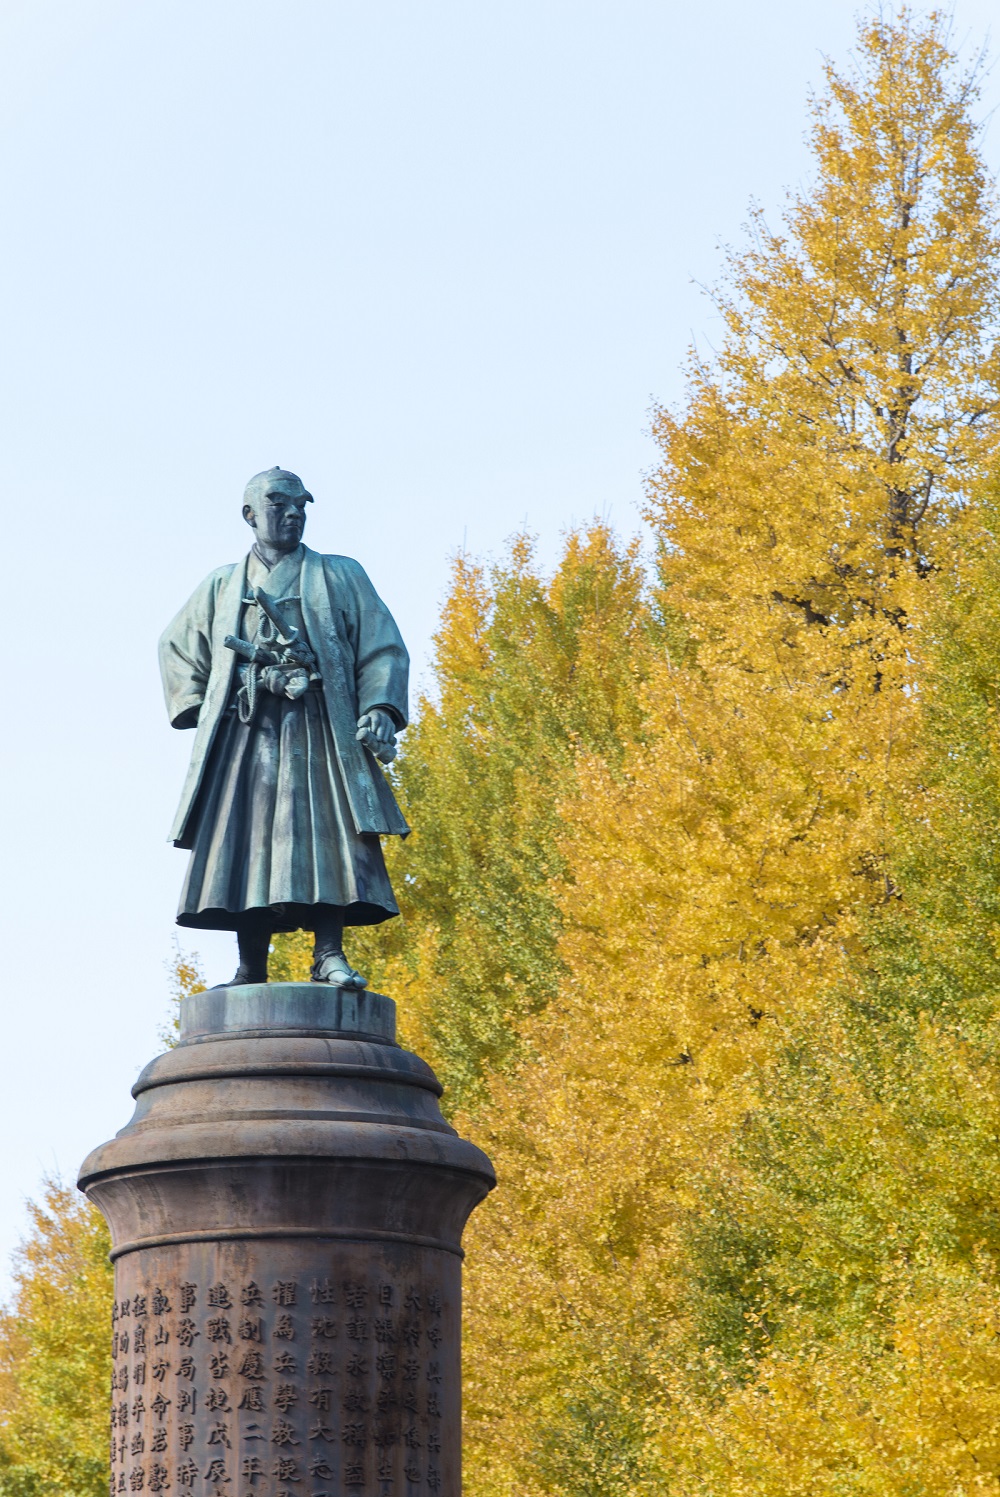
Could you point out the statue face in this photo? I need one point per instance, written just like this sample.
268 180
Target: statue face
279 514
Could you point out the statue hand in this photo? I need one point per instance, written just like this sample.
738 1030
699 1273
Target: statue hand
377 731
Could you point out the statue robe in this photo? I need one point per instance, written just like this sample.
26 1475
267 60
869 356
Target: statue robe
285 813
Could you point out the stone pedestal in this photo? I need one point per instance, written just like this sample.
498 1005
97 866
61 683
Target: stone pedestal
286 1208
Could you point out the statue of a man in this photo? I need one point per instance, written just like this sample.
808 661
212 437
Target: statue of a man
293 672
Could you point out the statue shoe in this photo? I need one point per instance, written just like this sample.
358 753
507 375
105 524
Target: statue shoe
242 978
335 969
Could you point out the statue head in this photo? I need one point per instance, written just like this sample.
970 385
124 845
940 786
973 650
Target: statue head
274 506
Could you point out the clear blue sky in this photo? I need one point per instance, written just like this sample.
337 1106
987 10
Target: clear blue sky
436 256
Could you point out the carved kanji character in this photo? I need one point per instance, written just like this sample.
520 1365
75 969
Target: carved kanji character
185 1368
126 1307
253 1398
138 1407
121 1481
433 1372
320 1466
161 1305
138 1444
123 1341
185 1435
160 1369
218 1298
357 1365
139 1339
285 1362
187 1331
252 1467
433 1478
218 1365
284 1291
411 1369
385 1331
251 1365
161 1335
321 1431
216 1398
320 1361
320 1398
413 1299
355 1433
187 1474
322 1325
158 1481
434 1335
250 1294
433 1406
386 1293
219 1434
411 1471
251 1328
285 1395
385 1364
385 1471
354 1474
139 1373
284 1328
123 1413
356 1296
138 1304
217 1329
410 1400
137 1478
283 1433
357 1328
411 1333
356 1402
187 1400
322 1292
159 1440
286 1469
433 1440
411 1438
434 1302
189 1293
217 1471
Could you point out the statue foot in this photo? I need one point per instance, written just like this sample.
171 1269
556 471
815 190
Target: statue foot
335 969
243 978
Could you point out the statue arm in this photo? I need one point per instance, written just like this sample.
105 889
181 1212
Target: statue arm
186 656
382 665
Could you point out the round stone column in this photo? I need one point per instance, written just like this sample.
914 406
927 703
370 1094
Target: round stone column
286 1210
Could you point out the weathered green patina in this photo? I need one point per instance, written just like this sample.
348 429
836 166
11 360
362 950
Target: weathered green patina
294 675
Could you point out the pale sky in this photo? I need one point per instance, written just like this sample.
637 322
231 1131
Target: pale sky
437 256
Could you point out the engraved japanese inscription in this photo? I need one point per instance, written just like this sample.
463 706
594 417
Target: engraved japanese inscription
279 1386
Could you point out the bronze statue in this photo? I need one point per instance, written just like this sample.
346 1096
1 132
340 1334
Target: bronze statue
293 672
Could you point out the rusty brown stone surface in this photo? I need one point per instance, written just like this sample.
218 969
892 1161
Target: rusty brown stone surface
286 1209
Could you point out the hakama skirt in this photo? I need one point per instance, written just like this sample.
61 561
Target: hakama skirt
273 828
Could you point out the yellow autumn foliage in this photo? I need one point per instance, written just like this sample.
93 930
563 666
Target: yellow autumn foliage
747 1106
55 1354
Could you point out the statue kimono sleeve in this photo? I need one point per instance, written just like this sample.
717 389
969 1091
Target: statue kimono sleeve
186 654
382 665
